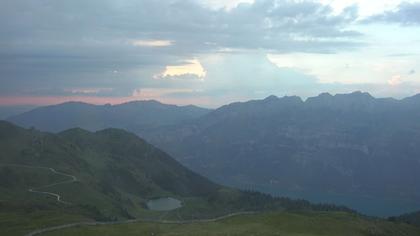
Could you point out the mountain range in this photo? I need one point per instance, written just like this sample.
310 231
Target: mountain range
326 148
134 116
350 149
109 175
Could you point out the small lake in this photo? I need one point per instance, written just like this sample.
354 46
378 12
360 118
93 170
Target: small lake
164 204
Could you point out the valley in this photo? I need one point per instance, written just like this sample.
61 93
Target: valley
346 148
110 176
113 180
209 118
350 149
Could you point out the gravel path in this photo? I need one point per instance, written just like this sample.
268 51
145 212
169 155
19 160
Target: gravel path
72 179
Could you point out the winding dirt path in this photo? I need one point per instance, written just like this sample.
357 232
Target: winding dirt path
72 179
96 223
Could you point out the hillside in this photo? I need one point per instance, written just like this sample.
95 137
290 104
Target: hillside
134 116
347 149
350 149
409 218
8 111
51 179
116 171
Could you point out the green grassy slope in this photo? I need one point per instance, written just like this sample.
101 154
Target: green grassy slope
22 219
290 224
410 218
117 173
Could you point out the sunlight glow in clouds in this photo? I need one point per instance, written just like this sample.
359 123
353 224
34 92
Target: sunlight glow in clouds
193 67
215 50
152 43
395 80
348 68
153 93
88 90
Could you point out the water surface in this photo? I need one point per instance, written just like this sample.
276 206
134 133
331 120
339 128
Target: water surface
164 204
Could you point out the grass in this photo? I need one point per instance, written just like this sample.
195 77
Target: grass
119 172
18 222
278 223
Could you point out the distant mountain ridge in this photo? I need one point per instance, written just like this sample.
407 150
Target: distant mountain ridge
345 144
133 116
350 144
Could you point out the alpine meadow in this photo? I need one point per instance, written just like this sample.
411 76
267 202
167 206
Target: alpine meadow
210 117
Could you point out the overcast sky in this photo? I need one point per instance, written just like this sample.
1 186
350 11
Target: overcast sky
205 52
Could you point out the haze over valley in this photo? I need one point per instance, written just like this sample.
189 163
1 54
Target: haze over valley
210 117
351 149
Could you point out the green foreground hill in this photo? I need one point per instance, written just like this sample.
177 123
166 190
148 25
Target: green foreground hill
116 171
110 175
412 218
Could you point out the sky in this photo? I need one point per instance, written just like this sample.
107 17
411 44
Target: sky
205 52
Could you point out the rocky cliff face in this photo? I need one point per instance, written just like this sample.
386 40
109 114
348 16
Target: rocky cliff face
349 143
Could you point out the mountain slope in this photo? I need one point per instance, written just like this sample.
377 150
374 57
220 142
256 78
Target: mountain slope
117 172
133 116
409 218
8 111
350 145
110 175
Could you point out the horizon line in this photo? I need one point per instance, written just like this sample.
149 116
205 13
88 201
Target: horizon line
18 101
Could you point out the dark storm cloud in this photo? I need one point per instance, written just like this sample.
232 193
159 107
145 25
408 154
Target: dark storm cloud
405 14
50 45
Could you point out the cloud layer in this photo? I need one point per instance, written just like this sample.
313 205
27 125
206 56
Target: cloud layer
407 13
118 48
60 46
